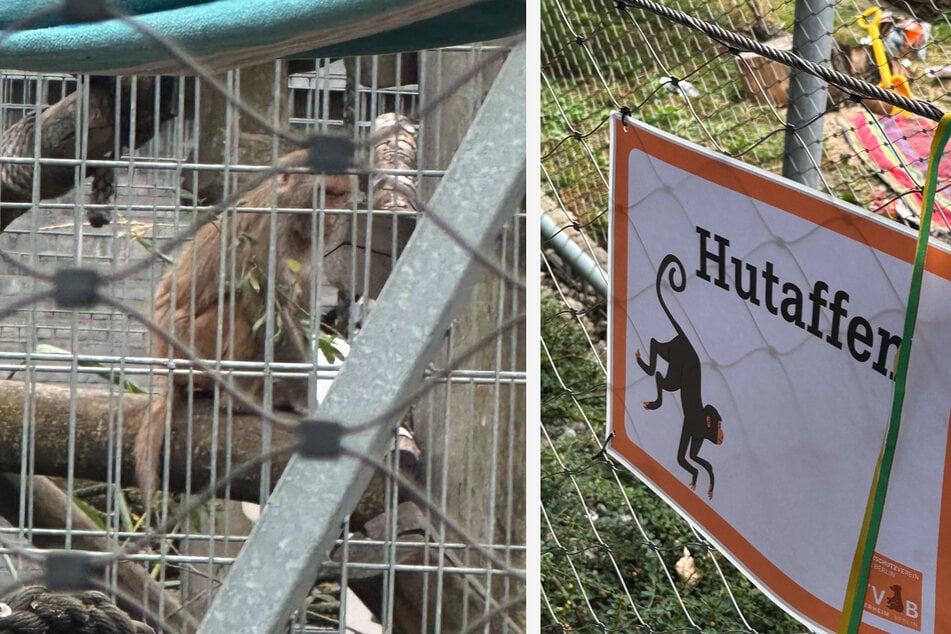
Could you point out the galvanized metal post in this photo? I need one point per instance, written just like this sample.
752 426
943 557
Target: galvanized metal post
583 264
479 193
812 40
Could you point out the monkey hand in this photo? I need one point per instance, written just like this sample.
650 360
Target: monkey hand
710 494
651 404
646 368
693 485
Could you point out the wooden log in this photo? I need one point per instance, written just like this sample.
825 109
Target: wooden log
59 137
104 417
48 510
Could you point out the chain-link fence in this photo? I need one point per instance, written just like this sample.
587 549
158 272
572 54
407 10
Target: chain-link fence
285 299
614 556
602 56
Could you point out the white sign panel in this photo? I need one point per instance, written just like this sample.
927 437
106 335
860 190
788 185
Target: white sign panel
754 332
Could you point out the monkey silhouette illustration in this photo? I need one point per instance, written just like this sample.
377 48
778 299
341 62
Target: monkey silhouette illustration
701 422
895 602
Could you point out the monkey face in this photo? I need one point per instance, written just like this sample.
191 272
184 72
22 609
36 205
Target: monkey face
338 188
312 191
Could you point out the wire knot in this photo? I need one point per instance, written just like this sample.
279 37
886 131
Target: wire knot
319 439
76 288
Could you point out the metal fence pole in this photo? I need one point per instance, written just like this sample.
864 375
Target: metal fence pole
812 40
478 194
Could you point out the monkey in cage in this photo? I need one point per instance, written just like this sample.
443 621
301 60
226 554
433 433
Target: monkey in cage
187 297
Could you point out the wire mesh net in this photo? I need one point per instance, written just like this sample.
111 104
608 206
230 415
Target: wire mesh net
609 55
614 556
180 291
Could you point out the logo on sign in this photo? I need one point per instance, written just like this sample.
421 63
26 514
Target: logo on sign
701 422
894 592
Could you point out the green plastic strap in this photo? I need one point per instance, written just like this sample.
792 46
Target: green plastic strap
865 549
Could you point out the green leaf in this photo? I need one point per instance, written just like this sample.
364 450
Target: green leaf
125 514
149 246
132 388
196 520
292 264
327 345
90 512
257 324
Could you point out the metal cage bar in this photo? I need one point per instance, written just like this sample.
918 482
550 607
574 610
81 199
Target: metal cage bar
481 189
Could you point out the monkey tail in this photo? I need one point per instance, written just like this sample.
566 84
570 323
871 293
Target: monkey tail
669 261
147 451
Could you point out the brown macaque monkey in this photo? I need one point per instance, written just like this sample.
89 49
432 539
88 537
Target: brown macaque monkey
194 314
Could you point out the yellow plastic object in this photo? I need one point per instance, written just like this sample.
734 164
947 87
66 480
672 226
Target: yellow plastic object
869 21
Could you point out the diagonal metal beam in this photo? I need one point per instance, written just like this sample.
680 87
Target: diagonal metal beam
478 194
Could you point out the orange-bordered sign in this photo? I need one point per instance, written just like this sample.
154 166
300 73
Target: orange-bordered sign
754 326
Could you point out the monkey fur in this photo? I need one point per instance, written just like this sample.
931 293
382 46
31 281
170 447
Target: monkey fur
194 314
